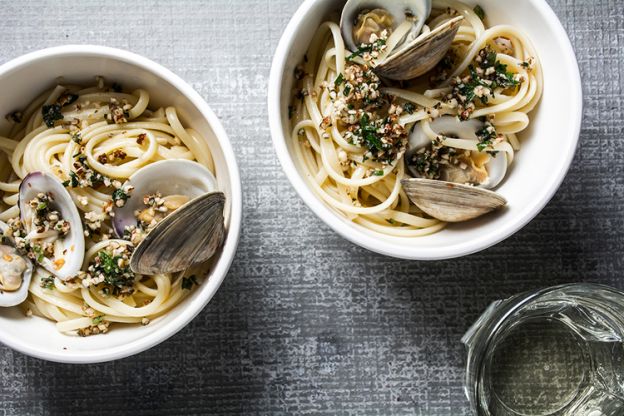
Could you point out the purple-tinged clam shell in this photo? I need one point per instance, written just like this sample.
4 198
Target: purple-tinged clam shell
67 261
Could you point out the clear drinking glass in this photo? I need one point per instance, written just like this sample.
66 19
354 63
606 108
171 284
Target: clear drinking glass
557 351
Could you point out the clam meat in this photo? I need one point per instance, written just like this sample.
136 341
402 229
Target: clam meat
174 217
433 160
15 274
453 184
49 230
391 32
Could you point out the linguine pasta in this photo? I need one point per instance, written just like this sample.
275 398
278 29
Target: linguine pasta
100 137
344 168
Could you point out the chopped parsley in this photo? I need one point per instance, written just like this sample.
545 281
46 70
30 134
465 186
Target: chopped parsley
486 136
73 181
479 12
42 207
502 78
367 48
369 133
339 80
47 282
427 161
409 108
188 282
379 172
347 90
38 252
120 195
51 113
483 79
97 320
109 264
114 275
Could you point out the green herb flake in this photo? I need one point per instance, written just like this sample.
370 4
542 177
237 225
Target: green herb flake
479 12
120 195
97 320
378 172
42 206
47 282
369 133
339 80
51 113
486 137
409 108
72 181
109 264
114 275
39 252
366 48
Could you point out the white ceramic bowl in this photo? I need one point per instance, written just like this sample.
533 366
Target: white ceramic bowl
547 146
21 80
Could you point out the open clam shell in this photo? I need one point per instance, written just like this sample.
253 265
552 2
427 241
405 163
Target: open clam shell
398 9
189 236
452 127
169 177
69 253
451 202
422 54
415 54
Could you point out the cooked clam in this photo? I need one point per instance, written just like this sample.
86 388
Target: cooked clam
189 236
15 274
482 169
174 217
457 187
415 51
52 225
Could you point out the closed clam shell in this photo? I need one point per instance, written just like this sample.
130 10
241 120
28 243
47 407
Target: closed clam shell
189 236
451 202
420 55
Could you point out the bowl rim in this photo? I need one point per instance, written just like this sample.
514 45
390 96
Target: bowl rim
195 305
355 233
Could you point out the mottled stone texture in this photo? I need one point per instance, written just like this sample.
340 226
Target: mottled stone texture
306 322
